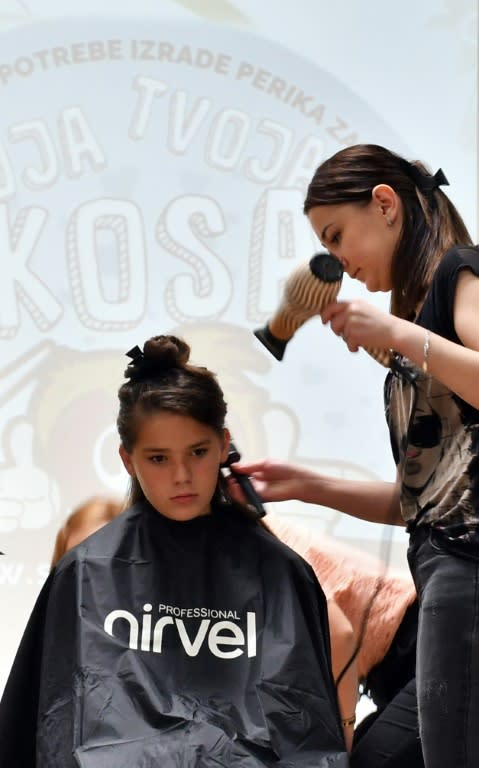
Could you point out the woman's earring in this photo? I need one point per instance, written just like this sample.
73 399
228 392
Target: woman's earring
389 221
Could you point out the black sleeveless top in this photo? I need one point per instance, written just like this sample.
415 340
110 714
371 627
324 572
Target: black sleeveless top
434 433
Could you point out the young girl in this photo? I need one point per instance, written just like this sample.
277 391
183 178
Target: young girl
181 633
394 229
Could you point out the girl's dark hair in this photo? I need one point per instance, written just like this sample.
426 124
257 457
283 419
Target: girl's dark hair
431 223
160 378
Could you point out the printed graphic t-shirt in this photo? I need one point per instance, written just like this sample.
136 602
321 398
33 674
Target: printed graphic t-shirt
434 433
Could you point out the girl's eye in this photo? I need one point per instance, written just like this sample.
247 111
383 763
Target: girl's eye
335 238
158 459
200 451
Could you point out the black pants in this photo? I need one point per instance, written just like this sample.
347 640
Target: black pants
447 651
389 737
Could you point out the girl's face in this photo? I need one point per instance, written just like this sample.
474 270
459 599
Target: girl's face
176 461
361 238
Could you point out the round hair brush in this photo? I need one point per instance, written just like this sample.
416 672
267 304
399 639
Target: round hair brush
307 292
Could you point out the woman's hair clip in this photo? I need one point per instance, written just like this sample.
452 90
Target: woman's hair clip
425 182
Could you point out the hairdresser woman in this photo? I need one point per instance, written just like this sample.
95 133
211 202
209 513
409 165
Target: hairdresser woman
394 229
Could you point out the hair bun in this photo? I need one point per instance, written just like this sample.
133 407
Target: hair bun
160 354
169 349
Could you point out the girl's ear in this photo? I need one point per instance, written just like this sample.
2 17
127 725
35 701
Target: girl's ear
127 462
226 445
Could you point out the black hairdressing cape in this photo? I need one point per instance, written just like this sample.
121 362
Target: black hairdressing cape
175 645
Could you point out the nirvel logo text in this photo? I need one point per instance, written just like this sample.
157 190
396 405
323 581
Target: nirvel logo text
146 635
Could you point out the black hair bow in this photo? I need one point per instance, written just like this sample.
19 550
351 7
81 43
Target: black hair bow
425 182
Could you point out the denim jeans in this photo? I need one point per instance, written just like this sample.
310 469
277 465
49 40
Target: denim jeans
447 673
389 738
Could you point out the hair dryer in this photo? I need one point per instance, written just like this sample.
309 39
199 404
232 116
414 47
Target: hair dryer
307 292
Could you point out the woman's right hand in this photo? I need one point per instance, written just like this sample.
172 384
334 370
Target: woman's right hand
272 480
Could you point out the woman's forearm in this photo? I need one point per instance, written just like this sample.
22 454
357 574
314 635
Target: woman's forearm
374 501
455 366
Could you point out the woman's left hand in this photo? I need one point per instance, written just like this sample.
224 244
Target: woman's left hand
361 325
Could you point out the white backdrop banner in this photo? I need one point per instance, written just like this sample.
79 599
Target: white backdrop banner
152 175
